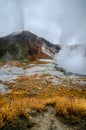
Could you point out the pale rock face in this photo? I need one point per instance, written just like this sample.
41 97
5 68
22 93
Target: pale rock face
4 89
47 51
8 73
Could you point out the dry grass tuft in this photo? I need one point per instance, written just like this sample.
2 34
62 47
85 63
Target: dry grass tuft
33 93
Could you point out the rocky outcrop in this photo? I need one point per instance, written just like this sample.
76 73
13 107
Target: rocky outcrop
25 45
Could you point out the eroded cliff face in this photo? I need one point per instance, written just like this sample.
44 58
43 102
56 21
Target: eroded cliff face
25 45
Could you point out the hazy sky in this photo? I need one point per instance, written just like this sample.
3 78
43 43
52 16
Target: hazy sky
59 21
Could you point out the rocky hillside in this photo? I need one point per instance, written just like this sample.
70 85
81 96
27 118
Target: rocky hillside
38 94
17 46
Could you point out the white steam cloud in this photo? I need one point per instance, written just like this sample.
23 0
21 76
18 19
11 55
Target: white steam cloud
72 58
59 21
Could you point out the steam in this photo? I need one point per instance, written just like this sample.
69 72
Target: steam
11 17
59 21
72 58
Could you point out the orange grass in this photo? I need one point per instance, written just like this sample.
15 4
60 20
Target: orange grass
36 95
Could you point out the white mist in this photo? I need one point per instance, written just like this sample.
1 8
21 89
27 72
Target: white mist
72 59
